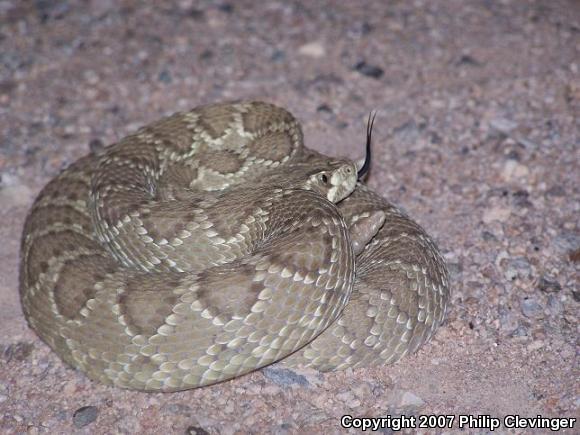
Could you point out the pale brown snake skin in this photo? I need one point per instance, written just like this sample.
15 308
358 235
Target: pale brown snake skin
212 243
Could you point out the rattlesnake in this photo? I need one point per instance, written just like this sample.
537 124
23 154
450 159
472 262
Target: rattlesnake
212 243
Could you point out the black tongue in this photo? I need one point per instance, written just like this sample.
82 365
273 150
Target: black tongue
367 164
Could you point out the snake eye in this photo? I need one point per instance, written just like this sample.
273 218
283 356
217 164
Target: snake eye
324 178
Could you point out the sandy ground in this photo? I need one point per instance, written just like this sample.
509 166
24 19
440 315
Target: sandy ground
477 137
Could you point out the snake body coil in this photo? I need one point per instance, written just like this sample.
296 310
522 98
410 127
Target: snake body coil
212 243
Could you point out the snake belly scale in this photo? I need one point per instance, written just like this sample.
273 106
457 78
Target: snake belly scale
212 243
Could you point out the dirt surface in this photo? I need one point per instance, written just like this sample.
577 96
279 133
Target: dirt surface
477 137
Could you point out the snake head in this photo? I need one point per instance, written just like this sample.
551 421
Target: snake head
335 182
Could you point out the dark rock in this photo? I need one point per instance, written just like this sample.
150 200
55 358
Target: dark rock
514 155
324 108
285 377
7 86
196 14
488 237
228 8
165 77
435 138
278 56
85 416
369 70
206 54
549 285
520 199
536 243
467 60
51 9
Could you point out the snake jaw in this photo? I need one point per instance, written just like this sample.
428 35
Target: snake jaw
343 182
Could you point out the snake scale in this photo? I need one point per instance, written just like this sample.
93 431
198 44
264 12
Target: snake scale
212 243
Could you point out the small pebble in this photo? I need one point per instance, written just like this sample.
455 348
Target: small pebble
554 305
488 236
406 402
513 170
518 267
278 56
196 430
312 49
507 318
549 285
70 388
85 416
521 199
165 77
284 377
228 8
369 70
206 54
503 125
531 308
566 242
468 60
520 331
496 213
411 399
195 14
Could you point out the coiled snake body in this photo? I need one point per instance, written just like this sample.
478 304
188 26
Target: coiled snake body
212 243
